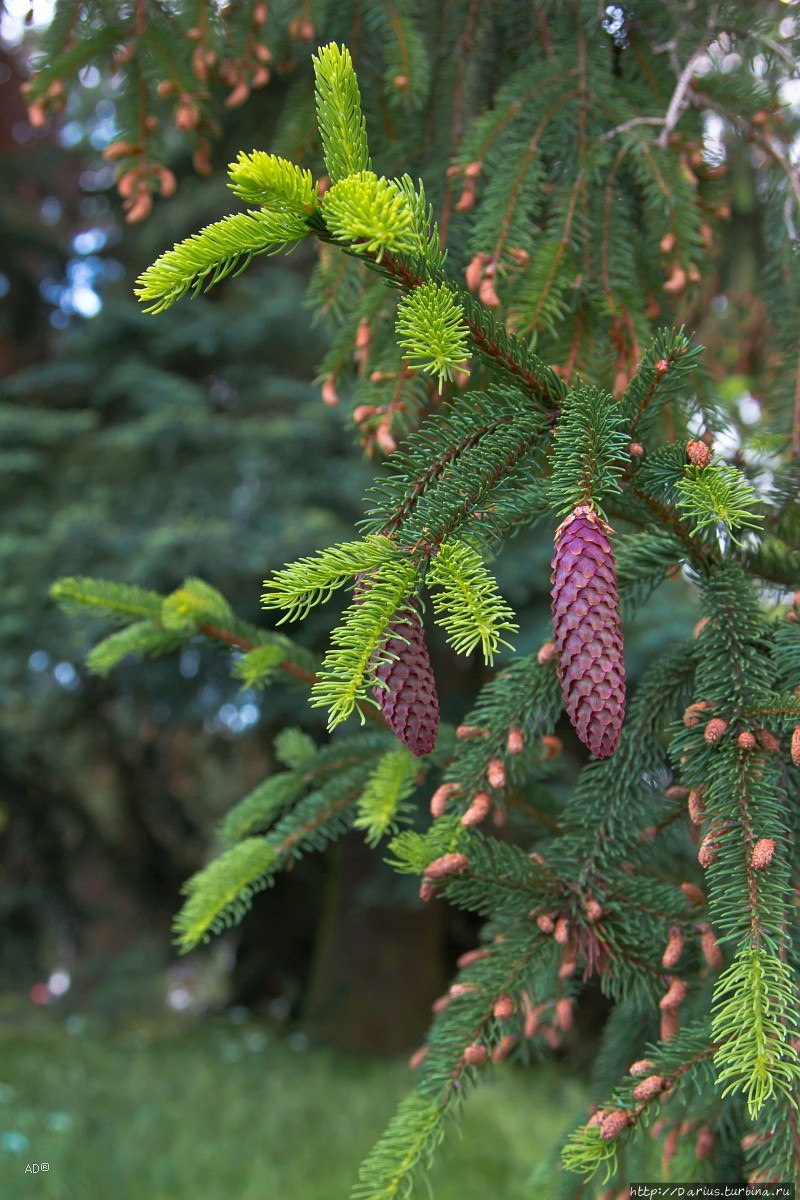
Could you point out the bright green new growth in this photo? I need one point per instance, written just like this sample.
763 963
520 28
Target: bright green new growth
272 182
432 332
383 800
370 214
718 494
298 588
341 122
468 604
757 998
218 250
348 669
220 894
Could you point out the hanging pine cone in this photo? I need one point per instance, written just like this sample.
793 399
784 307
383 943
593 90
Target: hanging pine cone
408 700
587 630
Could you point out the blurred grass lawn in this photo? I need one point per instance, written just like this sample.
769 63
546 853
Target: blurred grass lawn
219 1111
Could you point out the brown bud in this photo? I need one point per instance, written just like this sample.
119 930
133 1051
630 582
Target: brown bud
698 454
417 1058
641 1067
474 272
503 1008
261 77
37 115
693 894
696 805
237 97
479 809
636 450
401 82
674 948
705 1142
767 741
476 1054
676 282
440 797
448 864
472 170
670 1146
119 150
613 1124
796 746
460 989
472 956
168 184
127 183
545 923
140 209
670 1024
487 294
441 1004
546 653
653 1085
569 962
329 393
165 88
561 931
469 731
187 116
700 626
515 744
552 746
466 200
496 773
594 910
563 1014
691 716
263 53
674 995
426 890
707 854
746 740
383 436
715 729
668 243
504 1047
710 947
676 792
762 853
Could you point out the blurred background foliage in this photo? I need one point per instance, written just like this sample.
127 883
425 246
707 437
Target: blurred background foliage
147 451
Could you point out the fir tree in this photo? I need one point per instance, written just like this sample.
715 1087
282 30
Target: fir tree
547 303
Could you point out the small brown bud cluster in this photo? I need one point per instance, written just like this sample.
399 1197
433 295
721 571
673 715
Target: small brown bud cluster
552 746
504 1047
417 1058
329 393
762 853
594 910
448 864
767 741
640 1067
515 743
464 732
466 200
546 654
674 995
795 749
496 773
562 1017
707 854
545 922
636 450
693 893
676 792
440 797
714 730
472 956
698 453
709 946
503 1008
476 1054
674 948
652 1086
692 715
696 805
479 809
612 1124
746 740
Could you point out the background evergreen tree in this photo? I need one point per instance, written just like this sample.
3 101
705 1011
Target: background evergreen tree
576 167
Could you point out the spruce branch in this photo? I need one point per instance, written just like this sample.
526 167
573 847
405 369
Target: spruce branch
588 454
370 215
341 122
298 588
468 604
718 494
431 331
382 805
201 261
273 183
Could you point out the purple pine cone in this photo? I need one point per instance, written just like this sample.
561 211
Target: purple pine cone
408 701
587 630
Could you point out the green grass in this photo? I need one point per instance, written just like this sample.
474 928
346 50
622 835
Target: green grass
231 1112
